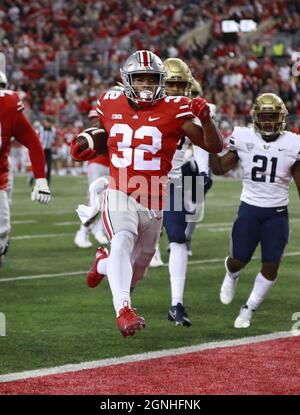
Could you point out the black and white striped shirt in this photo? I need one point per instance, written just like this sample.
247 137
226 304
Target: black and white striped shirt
47 136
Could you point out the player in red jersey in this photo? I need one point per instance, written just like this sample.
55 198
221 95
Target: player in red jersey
13 123
144 128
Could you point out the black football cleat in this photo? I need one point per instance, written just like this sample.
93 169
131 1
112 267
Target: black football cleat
178 314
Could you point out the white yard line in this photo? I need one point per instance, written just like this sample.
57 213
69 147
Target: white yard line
69 368
224 224
66 223
41 276
45 212
41 235
83 272
216 230
212 227
21 222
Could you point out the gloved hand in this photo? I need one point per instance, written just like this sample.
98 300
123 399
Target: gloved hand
41 191
200 109
79 155
208 182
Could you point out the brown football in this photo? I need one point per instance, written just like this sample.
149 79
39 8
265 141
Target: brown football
94 138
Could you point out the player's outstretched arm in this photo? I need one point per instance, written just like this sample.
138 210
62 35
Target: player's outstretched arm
296 175
207 135
26 135
222 165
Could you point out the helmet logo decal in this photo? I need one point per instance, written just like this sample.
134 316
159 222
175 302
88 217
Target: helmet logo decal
145 58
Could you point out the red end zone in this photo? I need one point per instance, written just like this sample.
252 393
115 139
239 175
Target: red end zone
270 367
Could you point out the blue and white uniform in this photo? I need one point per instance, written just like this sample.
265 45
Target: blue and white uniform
263 212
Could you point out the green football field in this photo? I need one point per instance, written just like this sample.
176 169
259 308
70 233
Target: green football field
53 318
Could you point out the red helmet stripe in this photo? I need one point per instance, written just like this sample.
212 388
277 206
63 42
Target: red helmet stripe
146 58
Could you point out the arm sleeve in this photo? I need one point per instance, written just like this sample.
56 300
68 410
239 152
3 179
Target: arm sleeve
26 135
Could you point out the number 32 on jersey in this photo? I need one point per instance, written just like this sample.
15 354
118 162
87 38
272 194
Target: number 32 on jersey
135 156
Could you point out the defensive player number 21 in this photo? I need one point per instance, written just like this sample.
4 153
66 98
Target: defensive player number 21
135 156
258 172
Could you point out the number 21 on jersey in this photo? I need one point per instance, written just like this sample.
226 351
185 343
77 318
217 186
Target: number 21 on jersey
258 173
135 156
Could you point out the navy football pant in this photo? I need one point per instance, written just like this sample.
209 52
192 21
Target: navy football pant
254 225
174 218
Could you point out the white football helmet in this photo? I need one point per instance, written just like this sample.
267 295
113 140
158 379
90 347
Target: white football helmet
143 62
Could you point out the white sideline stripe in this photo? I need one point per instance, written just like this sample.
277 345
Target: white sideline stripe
42 235
143 356
67 274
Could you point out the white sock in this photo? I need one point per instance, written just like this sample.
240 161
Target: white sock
97 227
119 268
260 290
232 275
84 230
177 268
102 266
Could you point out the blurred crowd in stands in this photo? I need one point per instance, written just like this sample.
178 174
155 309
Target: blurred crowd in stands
62 54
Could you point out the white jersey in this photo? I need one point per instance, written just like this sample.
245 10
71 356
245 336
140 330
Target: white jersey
200 155
179 158
266 166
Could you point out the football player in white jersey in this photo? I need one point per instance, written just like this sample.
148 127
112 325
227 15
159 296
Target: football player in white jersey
200 156
270 157
178 83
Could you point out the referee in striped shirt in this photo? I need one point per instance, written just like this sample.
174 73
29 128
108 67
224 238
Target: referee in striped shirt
47 134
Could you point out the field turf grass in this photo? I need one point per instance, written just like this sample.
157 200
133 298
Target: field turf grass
59 320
